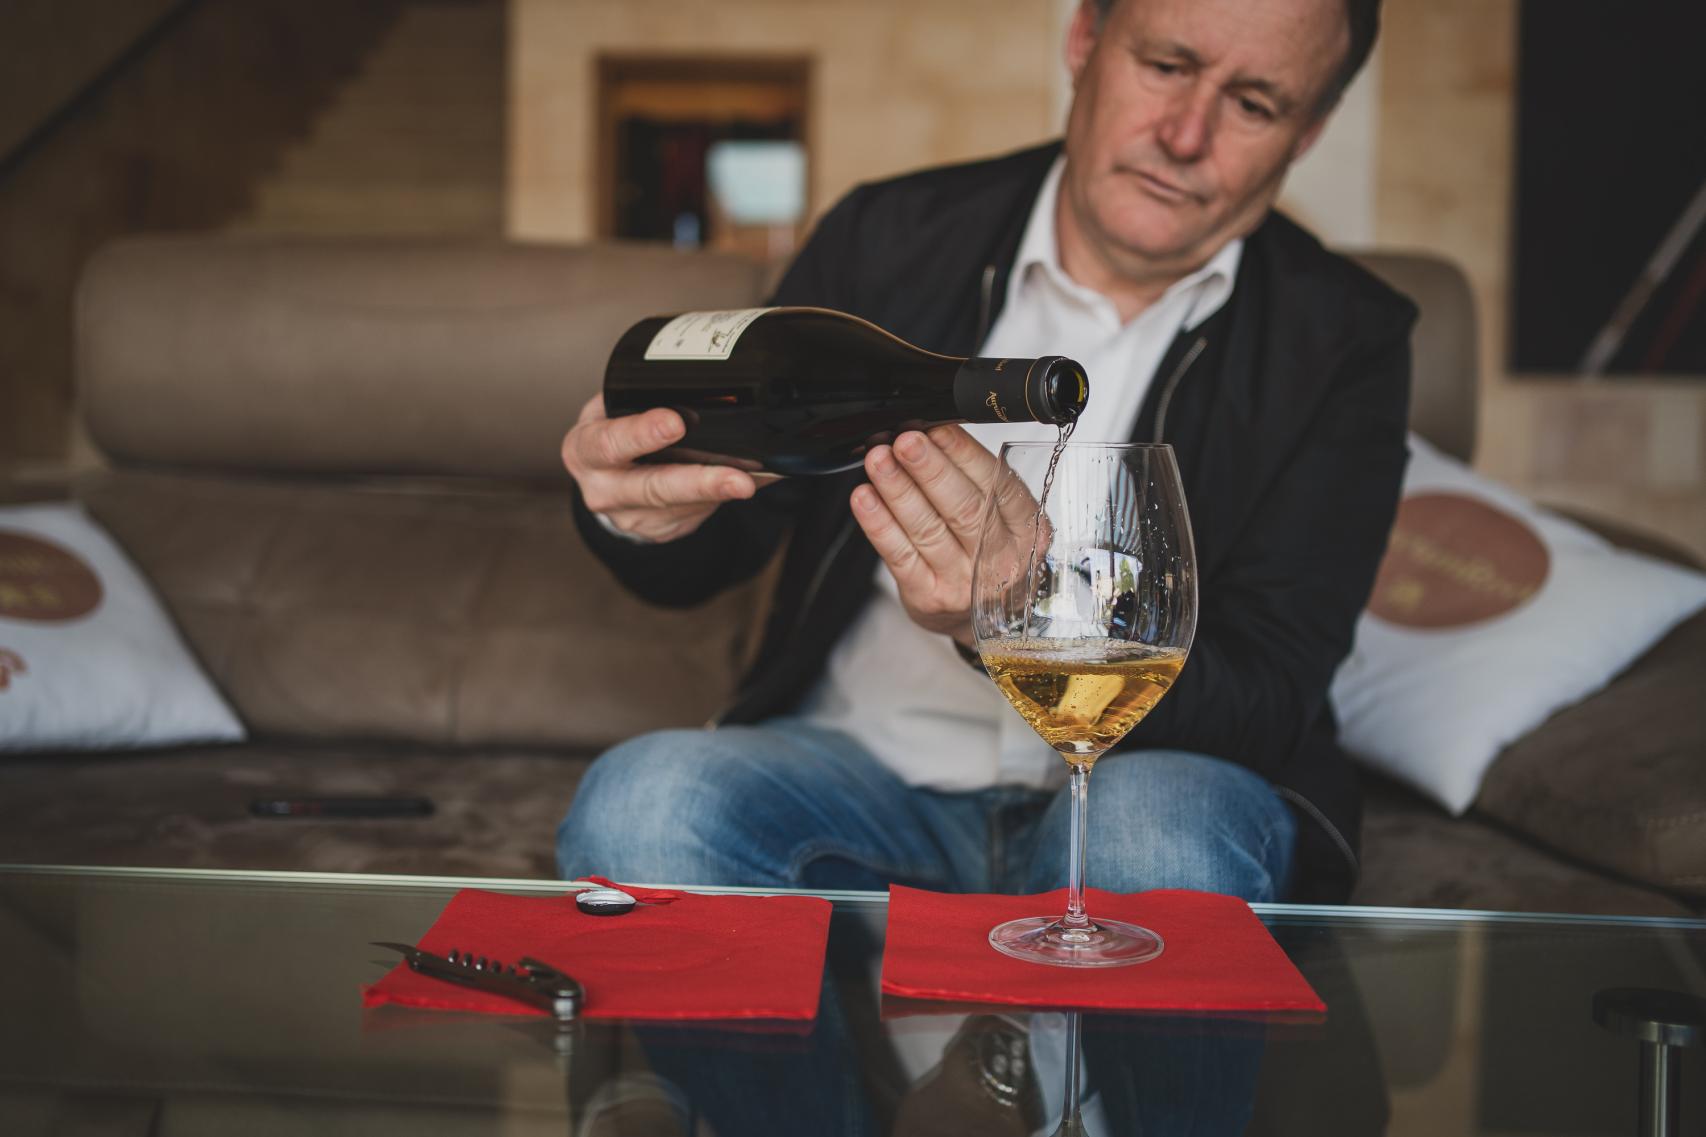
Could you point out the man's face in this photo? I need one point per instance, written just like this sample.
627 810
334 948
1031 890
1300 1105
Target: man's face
1185 116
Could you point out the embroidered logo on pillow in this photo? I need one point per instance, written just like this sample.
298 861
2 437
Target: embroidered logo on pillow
1455 560
88 658
11 663
40 580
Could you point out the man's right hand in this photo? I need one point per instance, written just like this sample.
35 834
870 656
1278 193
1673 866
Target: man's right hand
646 502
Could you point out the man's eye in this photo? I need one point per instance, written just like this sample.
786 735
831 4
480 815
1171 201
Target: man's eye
1164 67
1256 110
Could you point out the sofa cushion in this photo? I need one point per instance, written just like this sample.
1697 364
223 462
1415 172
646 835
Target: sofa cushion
449 615
1619 780
496 811
88 661
1488 615
1414 856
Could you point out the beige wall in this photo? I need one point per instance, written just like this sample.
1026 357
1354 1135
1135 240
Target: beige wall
1633 449
1332 189
897 84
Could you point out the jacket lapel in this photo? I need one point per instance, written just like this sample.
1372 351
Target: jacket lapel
1250 383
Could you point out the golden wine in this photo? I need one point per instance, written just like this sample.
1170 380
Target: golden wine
1081 695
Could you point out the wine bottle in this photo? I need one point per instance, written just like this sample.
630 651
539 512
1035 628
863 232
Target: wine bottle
809 391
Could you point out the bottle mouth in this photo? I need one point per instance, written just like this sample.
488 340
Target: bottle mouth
1063 388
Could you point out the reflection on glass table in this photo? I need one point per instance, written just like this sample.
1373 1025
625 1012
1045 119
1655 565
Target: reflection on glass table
178 1002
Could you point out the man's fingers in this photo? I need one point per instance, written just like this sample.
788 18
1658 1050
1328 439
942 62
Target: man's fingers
593 411
936 601
648 501
949 486
913 510
659 524
966 452
665 487
890 540
608 442
1013 499
1015 503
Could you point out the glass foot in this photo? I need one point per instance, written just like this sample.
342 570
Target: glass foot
1105 943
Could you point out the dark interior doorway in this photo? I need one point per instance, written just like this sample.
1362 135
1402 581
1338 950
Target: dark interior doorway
704 151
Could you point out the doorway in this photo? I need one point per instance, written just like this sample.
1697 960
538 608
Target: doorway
704 152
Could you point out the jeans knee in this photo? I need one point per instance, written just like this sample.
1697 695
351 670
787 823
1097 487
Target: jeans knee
1164 819
630 818
1202 858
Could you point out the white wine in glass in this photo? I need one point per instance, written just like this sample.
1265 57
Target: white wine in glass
1084 604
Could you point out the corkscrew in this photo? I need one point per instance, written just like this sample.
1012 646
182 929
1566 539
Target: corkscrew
526 981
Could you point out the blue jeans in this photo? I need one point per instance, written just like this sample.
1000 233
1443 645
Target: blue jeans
786 804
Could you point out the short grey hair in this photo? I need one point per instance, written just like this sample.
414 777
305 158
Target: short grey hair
1363 16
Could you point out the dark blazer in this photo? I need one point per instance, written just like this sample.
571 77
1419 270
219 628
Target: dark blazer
1287 410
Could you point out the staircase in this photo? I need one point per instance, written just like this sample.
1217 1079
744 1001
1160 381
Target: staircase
412 143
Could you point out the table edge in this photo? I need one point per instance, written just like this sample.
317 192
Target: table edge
1303 912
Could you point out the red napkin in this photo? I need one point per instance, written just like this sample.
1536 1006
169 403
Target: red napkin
696 957
1218 956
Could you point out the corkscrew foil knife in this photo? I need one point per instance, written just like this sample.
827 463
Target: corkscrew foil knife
526 981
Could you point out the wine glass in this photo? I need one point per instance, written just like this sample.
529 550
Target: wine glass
1084 603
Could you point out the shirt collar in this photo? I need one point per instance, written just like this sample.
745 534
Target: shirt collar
1210 285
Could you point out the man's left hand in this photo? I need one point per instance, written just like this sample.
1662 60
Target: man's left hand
921 511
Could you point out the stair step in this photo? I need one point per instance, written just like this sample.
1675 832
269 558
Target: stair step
413 142
387 159
379 224
362 125
406 193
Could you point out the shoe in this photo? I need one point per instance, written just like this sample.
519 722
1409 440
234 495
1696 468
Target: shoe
983 1084
635 1105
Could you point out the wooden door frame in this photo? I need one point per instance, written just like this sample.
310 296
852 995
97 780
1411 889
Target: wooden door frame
794 72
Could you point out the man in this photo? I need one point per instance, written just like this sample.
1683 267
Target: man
861 748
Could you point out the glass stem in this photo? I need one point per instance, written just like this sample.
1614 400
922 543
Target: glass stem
1071 1116
1079 787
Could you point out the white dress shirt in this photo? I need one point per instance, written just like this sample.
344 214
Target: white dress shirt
905 693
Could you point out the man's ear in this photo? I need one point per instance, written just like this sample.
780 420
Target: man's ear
1081 37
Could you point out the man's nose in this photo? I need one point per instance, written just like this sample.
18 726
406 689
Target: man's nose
1187 128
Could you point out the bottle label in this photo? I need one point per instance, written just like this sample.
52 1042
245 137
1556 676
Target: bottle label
702 335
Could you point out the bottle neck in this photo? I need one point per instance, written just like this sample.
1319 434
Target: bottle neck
1049 389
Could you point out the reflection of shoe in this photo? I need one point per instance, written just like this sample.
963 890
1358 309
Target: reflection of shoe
984 1084
635 1105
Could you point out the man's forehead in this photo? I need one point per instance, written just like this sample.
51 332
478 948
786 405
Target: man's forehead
1295 44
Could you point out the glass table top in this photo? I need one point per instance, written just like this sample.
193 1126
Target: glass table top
167 1002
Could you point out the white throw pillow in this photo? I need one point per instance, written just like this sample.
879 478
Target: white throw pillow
1489 615
88 659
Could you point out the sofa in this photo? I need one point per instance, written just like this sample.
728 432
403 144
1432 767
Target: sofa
336 462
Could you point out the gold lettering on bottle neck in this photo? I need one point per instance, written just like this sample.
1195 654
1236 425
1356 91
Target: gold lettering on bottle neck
993 404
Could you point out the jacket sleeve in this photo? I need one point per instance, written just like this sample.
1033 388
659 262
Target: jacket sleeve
736 541
731 546
1277 620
